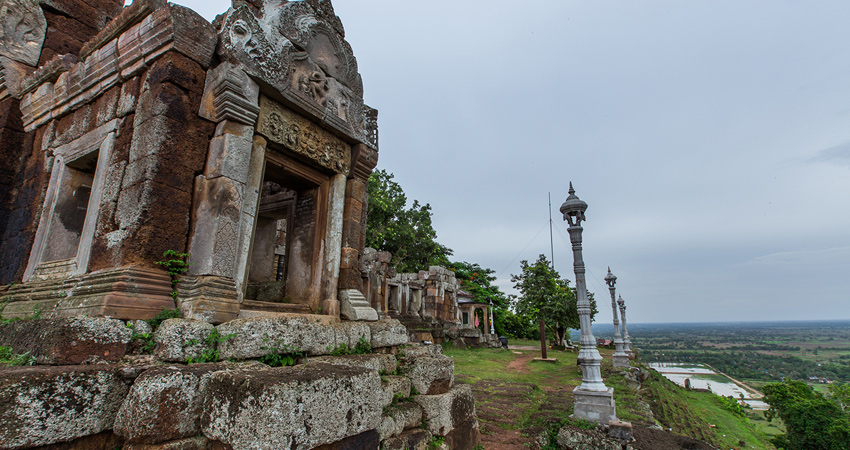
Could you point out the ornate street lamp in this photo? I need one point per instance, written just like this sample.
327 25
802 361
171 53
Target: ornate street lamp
593 400
627 341
621 359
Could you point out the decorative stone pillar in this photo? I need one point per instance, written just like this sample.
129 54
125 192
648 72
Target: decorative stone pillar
593 400
627 341
621 359
226 198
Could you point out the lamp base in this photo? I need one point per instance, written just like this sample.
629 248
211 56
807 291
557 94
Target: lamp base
595 406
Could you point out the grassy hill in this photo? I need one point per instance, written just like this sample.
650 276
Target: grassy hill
519 399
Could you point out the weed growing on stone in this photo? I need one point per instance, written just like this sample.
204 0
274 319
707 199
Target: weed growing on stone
148 344
436 442
176 263
282 354
209 354
162 316
363 347
9 358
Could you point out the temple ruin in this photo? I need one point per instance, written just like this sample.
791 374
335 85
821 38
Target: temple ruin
130 132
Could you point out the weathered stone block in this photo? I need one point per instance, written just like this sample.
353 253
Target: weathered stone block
429 374
181 339
299 407
192 443
579 439
365 440
354 306
467 435
381 362
445 412
388 333
618 429
68 341
46 405
395 386
409 440
164 404
402 416
260 336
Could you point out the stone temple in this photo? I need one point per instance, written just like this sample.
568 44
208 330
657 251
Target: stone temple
128 132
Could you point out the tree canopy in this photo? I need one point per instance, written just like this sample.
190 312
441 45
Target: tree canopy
812 421
544 295
405 232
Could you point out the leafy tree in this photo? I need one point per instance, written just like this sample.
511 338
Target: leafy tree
544 295
405 232
840 394
478 281
812 421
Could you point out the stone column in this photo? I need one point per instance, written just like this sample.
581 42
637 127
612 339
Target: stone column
333 245
593 400
620 358
627 342
226 198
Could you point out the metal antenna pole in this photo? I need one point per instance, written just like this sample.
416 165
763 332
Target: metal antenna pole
551 244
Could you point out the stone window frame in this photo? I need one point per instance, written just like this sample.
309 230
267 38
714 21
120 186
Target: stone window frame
102 140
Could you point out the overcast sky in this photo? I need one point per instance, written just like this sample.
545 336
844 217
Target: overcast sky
711 140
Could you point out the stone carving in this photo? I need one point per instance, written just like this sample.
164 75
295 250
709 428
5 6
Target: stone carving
282 126
229 94
298 48
354 306
22 30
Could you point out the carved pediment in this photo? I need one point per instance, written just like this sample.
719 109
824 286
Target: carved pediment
22 30
298 49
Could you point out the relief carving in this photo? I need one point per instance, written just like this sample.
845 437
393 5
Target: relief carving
298 49
303 137
22 30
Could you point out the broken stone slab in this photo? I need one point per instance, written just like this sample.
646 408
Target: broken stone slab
465 435
354 306
192 443
395 387
619 429
298 407
177 340
388 333
429 374
399 417
255 337
45 405
445 412
164 404
579 439
381 362
409 440
365 440
68 341
421 349
24 30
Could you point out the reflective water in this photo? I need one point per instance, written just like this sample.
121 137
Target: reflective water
703 377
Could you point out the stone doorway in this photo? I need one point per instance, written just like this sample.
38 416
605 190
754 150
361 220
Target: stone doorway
287 247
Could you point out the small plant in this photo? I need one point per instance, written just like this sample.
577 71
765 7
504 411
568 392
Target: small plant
176 263
436 442
363 347
10 358
209 354
162 316
283 355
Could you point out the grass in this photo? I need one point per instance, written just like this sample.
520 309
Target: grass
686 412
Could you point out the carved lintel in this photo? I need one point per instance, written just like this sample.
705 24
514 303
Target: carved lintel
365 159
303 137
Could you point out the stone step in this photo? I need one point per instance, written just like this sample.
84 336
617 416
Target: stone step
254 305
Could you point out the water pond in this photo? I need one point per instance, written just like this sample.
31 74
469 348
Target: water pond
703 377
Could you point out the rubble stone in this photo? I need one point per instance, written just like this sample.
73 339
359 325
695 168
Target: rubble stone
578 439
163 404
68 341
429 374
445 412
177 340
44 405
388 333
298 407
381 362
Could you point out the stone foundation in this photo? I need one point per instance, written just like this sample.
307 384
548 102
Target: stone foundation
145 402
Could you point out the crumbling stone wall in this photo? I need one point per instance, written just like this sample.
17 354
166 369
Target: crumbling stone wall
399 396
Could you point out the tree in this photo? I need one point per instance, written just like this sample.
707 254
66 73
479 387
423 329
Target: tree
840 394
545 296
405 232
812 421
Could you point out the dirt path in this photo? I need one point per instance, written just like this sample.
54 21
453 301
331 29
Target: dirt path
521 362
